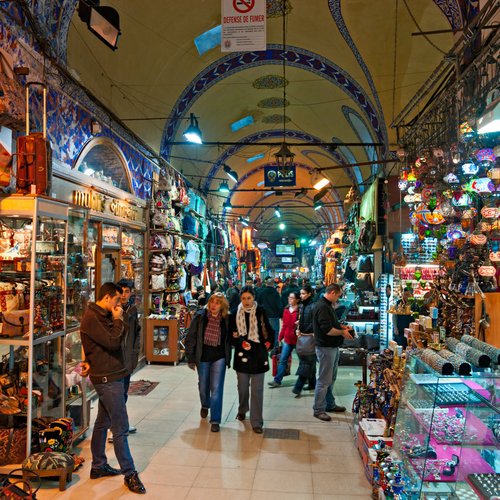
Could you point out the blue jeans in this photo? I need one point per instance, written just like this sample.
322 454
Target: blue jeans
211 375
286 352
275 325
111 414
126 385
328 358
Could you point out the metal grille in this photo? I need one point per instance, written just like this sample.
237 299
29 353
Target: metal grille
281 434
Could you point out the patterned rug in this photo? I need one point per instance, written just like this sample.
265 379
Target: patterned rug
141 387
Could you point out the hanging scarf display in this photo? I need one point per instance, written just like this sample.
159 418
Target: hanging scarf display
253 331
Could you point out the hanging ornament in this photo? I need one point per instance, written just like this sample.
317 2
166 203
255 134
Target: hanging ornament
461 199
418 273
478 239
486 157
466 130
494 175
487 271
469 168
482 185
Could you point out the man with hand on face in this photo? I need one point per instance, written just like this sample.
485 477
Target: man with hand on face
131 337
329 335
102 335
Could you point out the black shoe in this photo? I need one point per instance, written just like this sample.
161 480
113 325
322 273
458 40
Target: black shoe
204 412
258 430
132 430
240 417
134 484
215 427
105 471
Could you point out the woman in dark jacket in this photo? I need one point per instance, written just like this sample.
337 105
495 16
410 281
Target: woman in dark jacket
208 349
307 366
252 337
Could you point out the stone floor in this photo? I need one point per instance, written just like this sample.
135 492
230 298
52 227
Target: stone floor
179 458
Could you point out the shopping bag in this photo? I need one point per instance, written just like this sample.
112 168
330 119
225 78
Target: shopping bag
275 358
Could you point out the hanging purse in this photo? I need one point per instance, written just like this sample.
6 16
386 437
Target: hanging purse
15 323
306 344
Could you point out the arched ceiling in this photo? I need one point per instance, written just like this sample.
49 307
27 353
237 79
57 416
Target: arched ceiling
351 66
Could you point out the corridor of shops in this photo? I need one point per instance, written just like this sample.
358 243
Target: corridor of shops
250 249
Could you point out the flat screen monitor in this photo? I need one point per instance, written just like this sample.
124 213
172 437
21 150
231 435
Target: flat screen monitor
285 250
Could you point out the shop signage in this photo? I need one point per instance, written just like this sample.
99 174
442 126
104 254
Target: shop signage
105 204
279 177
243 25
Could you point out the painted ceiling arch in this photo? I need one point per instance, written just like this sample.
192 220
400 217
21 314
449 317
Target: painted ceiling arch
295 56
334 44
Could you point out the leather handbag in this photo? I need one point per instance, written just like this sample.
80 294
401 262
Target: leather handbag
15 323
11 487
306 344
13 445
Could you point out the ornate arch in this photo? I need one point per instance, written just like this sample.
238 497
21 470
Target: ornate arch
295 57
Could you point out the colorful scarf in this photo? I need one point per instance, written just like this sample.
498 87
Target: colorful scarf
212 331
253 331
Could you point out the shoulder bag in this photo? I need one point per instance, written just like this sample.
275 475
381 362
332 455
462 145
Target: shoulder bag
306 344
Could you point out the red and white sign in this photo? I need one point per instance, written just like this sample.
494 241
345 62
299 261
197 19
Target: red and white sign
243 25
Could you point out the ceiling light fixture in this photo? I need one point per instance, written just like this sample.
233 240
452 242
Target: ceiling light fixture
103 22
277 212
282 226
224 188
193 132
227 205
318 204
244 222
319 181
231 173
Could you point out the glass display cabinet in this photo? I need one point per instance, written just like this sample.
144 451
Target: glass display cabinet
447 433
79 390
33 241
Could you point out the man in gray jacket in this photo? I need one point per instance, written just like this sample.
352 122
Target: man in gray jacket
329 335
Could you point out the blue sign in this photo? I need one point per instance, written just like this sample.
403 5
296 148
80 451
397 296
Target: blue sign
275 176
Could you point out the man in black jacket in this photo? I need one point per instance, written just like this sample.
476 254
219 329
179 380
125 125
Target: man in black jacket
329 335
269 299
102 335
131 335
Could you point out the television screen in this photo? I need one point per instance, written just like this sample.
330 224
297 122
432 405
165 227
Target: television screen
285 250
286 260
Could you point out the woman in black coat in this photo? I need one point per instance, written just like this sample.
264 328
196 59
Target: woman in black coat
253 338
208 349
307 363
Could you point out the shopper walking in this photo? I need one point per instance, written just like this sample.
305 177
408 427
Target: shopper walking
329 335
269 299
287 336
307 362
208 350
285 293
101 331
252 337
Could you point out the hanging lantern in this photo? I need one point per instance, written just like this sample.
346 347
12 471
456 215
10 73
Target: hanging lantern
461 199
490 212
402 184
478 239
494 175
487 271
482 185
466 130
495 256
451 178
486 157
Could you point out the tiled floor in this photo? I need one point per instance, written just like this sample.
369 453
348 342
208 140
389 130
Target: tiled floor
179 458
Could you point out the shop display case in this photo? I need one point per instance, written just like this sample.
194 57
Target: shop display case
33 267
79 391
162 340
447 432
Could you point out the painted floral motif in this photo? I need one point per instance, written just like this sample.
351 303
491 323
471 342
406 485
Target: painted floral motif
273 102
269 82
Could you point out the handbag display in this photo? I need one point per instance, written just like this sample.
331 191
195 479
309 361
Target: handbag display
13 445
14 488
15 323
306 344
